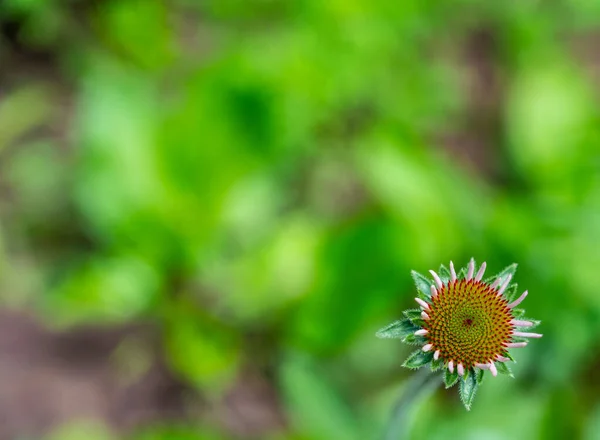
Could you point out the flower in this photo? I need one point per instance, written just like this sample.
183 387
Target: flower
464 325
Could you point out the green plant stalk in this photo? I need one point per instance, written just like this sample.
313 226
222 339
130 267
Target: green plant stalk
421 385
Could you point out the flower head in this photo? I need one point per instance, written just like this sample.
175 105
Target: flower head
464 325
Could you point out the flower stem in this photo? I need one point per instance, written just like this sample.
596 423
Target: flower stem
421 385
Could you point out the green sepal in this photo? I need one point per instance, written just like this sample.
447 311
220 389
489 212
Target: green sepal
422 283
417 359
462 274
437 364
415 316
507 270
467 389
466 373
504 369
413 339
535 323
412 313
397 330
444 274
479 375
518 313
511 292
450 378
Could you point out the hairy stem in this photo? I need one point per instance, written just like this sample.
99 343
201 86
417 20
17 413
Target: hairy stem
421 385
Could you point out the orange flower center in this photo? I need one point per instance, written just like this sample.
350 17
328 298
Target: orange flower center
468 323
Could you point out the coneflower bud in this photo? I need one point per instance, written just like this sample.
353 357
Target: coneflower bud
464 324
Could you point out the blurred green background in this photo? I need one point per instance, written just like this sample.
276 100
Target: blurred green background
207 209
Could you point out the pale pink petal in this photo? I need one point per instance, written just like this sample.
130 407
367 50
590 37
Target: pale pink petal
437 279
480 272
483 366
460 369
502 358
519 323
496 282
427 347
471 269
493 369
452 272
436 355
424 315
451 367
504 284
433 292
515 344
527 335
422 303
421 332
517 301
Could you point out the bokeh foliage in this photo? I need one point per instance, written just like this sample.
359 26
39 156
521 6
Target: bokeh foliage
257 178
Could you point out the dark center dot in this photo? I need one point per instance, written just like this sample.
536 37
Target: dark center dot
468 322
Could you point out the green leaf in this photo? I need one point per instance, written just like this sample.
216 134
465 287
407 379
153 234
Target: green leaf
444 274
479 375
535 323
422 283
450 378
412 313
302 384
467 372
507 270
397 330
437 365
518 313
462 274
504 369
467 390
413 339
511 292
415 316
417 359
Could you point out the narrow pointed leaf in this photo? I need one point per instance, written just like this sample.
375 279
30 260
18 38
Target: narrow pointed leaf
412 313
479 375
462 274
413 339
422 283
450 378
511 292
503 273
467 372
418 359
504 369
518 313
437 365
397 330
444 274
467 389
415 316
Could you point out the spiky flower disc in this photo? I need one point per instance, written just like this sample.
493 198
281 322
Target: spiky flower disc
464 325
468 323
